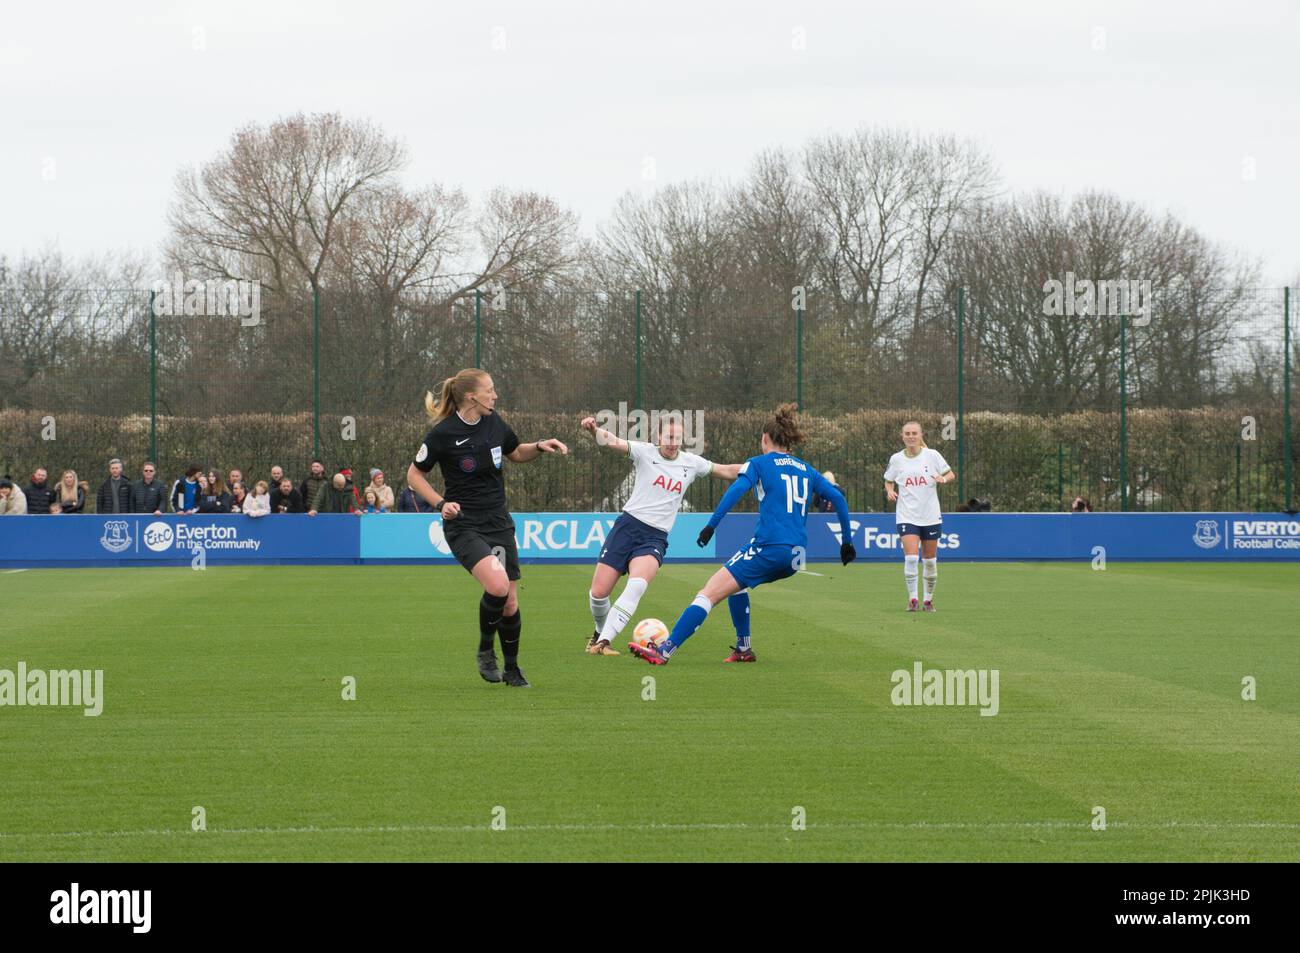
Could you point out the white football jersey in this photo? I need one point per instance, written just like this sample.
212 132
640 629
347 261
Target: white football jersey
661 484
913 479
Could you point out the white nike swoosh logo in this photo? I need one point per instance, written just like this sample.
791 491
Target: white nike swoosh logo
459 442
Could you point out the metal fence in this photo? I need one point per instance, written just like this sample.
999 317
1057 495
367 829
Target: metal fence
1185 407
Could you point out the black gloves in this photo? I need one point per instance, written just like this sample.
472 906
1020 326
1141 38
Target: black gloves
847 553
706 534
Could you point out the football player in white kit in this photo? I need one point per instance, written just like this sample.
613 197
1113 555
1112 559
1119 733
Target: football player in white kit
638 540
912 480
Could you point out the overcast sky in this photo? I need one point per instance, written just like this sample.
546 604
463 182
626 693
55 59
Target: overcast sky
1191 107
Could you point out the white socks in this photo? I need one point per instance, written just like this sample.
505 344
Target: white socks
599 610
909 574
930 576
623 610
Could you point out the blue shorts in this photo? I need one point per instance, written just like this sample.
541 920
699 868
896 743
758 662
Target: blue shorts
754 565
629 538
925 532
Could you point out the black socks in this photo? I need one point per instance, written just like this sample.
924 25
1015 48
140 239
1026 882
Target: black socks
509 627
489 618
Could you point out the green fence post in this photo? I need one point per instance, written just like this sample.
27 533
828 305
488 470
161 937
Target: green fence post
638 349
153 381
1123 413
961 395
1060 476
1288 464
798 358
1237 481
315 370
478 328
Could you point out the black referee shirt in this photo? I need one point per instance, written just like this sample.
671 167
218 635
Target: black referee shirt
471 456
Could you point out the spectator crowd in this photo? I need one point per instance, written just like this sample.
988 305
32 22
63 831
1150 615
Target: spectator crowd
205 492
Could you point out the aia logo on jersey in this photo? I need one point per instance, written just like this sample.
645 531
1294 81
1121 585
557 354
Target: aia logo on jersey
468 464
916 481
668 483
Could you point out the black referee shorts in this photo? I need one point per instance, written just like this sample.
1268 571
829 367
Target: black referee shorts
473 536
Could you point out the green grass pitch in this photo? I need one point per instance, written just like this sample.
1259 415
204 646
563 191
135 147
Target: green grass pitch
223 689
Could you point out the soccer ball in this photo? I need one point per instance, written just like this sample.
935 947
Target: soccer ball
649 632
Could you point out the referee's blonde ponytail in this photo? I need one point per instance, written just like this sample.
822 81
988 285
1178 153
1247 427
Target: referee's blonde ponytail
452 394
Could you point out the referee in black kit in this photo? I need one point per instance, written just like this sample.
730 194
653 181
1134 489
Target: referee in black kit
469 441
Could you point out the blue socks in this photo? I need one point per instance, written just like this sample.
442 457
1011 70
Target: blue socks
690 620
739 606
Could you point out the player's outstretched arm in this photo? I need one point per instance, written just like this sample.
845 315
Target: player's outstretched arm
603 437
531 451
726 471
744 481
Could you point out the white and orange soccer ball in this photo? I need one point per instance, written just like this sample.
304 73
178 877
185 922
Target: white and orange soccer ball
649 632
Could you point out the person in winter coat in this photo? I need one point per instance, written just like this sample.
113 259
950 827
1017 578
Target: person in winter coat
39 493
185 493
411 502
213 497
259 504
313 484
285 499
114 494
13 501
70 496
147 494
336 498
384 499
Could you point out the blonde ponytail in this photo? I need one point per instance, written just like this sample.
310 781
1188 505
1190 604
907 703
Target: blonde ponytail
452 393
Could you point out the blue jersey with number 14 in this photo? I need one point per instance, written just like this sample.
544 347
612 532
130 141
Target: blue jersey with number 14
783 484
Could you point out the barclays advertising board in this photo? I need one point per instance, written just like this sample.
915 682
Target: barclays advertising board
541 537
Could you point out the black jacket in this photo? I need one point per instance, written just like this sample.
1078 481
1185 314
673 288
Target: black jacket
104 498
148 497
40 497
77 507
411 502
292 502
215 503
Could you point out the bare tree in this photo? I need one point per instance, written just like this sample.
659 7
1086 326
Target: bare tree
269 205
1026 359
864 186
954 180
775 232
